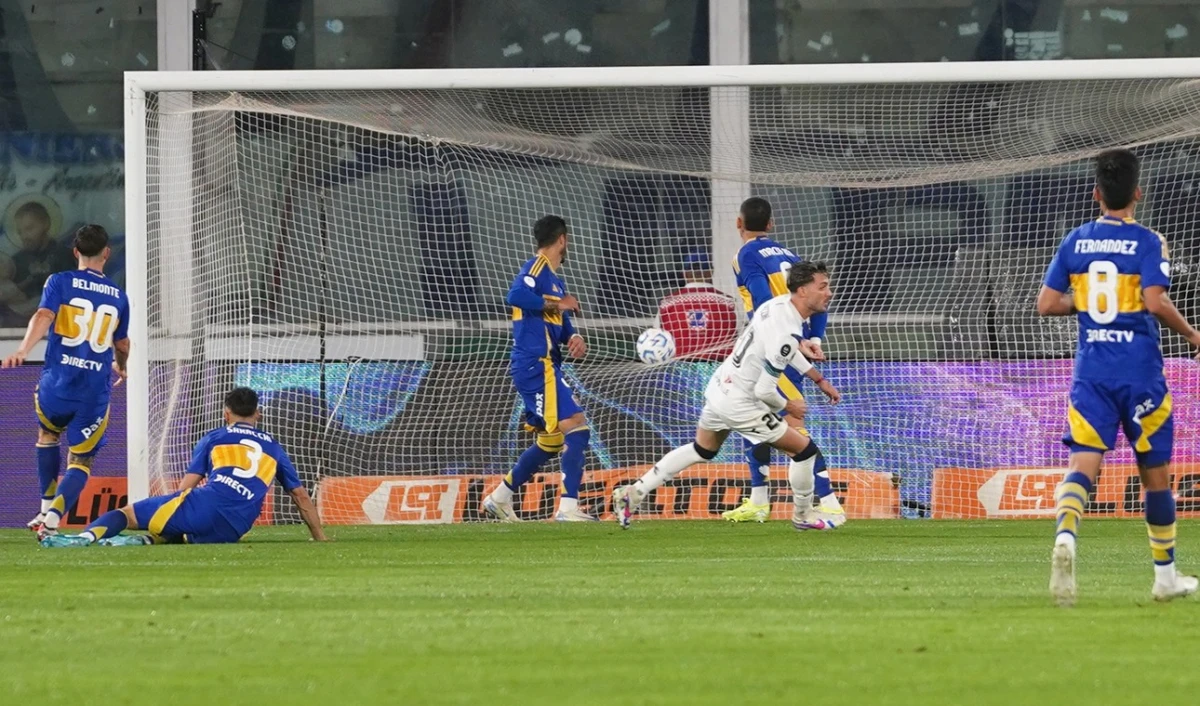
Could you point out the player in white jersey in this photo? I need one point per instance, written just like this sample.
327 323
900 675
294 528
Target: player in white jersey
742 396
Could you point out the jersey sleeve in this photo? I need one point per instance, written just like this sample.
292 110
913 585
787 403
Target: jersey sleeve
779 349
526 292
1057 276
568 327
754 279
287 475
122 330
816 325
1155 267
201 459
51 294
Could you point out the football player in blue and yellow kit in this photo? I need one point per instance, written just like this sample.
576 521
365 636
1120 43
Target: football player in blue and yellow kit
761 269
1120 273
238 461
541 314
87 318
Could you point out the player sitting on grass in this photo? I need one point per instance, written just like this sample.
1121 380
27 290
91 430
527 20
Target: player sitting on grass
743 396
239 462
1120 273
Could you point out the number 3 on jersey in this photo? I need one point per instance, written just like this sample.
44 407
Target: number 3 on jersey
79 320
1102 304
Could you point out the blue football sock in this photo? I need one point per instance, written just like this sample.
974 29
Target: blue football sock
1160 525
49 460
528 464
822 486
68 493
572 460
759 458
110 524
1070 502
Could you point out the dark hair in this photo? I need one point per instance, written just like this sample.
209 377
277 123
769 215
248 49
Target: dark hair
242 401
90 240
548 229
756 214
33 208
1117 177
803 273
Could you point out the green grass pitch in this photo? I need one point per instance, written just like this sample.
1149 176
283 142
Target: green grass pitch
893 612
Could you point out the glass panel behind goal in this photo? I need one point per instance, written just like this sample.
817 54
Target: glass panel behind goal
348 255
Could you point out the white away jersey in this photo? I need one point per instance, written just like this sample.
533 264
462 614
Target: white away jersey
768 345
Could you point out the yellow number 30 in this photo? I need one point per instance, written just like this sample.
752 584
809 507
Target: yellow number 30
90 323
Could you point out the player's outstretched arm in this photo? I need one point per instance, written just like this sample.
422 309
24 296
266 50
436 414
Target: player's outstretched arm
1051 302
308 513
39 326
1159 303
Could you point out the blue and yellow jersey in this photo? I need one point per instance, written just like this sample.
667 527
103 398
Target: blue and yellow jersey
1108 263
537 334
90 313
761 269
240 462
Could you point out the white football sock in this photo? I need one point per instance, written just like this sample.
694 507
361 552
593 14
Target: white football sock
46 505
760 495
503 493
667 468
566 504
1067 539
51 520
830 501
1165 574
800 475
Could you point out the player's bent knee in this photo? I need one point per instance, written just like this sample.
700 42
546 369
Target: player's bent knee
551 442
706 454
808 452
130 517
47 438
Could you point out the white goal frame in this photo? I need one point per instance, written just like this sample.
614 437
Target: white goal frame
730 129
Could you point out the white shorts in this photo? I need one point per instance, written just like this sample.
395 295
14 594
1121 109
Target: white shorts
750 418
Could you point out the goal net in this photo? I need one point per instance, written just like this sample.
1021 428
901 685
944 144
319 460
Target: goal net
346 253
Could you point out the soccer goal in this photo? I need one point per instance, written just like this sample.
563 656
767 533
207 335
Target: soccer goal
342 241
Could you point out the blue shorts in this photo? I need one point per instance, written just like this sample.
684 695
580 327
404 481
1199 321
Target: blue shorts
547 397
84 422
1142 408
190 516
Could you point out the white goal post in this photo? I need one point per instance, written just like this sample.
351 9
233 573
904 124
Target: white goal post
268 214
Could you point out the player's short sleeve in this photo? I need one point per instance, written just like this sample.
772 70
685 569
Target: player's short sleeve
122 330
1058 277
51 294
1155 265
779 348
200 463
747 263
288 477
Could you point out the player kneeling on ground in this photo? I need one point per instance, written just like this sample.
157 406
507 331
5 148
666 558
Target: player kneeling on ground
239 462
742 396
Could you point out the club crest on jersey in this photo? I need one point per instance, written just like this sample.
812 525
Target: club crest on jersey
697 319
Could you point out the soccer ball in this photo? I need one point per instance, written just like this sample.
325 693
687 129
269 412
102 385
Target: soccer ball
655 346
